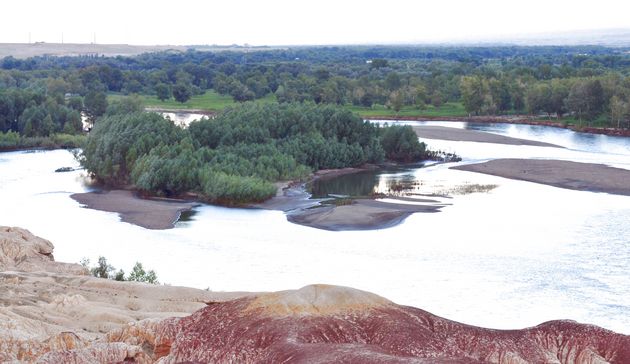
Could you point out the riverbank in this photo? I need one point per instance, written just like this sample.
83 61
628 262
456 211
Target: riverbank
501 119
558 173
148 213
12 141
506 119
465 135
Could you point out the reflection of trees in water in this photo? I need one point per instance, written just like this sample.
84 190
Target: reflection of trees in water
367 184
357 184
401 186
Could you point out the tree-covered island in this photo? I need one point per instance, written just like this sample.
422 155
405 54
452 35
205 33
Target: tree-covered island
236 157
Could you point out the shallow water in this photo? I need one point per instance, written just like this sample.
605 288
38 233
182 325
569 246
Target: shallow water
516 256
183 119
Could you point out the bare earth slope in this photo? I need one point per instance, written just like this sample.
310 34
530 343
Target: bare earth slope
46 305
58 317
464 135
330 324
563 174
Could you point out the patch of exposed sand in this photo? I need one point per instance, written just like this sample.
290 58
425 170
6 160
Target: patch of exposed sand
464 135
148 213
558 173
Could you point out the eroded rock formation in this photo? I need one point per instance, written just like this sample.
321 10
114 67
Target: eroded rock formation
100 321
48 309
336 324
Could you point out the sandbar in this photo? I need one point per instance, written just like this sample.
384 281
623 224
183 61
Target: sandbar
361 214
148 213
564 174
465 135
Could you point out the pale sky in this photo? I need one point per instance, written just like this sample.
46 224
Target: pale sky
280 22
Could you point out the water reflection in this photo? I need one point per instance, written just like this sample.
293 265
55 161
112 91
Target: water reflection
183 119
404 182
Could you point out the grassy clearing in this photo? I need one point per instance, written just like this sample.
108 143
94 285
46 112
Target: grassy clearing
209 101
446 110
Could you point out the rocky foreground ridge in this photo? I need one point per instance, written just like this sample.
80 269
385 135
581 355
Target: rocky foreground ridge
53 313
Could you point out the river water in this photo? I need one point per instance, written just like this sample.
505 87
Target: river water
513 257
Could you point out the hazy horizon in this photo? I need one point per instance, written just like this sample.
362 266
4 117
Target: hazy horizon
285 23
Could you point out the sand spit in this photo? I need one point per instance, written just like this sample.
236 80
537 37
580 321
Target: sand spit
148 213
464 135
558 173
360 214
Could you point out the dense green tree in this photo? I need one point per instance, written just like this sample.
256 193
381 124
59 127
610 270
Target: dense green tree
619 112
163 91
182 92
378 63
586 99
95 105
125 105
473 90
117 141
138 274
401 144
393 82
75 103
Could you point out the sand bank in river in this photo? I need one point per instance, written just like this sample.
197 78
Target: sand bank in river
465 135
148 213
361 214
558 173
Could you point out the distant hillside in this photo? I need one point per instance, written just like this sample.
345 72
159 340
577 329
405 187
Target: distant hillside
605 37
26 50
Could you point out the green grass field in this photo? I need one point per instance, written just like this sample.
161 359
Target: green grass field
446 110
209 101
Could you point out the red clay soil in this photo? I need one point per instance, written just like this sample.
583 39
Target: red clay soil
327 324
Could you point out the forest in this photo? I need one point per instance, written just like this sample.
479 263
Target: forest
586 85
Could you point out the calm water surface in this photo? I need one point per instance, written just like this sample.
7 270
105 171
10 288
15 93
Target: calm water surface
516 256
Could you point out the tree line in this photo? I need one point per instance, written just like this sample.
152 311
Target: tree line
236 157
586 82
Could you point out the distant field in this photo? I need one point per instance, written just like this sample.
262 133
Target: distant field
209 101
25 50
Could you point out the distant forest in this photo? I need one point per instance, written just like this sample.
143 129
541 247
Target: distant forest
41 96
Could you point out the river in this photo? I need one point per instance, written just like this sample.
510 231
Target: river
513 257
